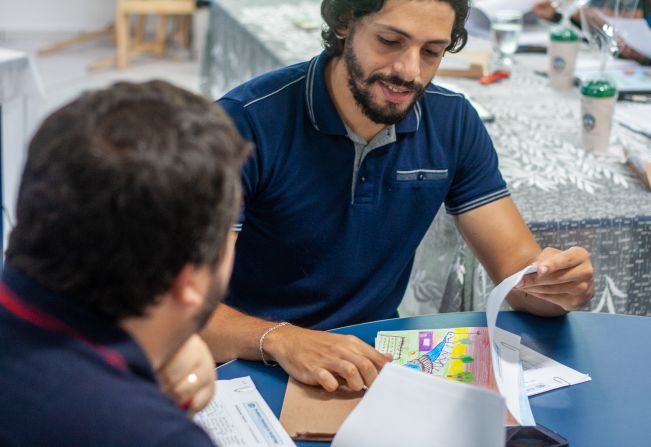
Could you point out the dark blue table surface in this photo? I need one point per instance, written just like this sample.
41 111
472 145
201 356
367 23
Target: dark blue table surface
614 409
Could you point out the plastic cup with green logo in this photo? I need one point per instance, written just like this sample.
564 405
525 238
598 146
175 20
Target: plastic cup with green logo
563 47
598 98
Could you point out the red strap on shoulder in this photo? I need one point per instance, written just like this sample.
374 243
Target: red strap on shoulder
20 309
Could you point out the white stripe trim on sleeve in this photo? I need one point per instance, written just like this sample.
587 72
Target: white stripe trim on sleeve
478 202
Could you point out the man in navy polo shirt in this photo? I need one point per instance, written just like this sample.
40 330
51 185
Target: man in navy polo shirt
119 255
355 151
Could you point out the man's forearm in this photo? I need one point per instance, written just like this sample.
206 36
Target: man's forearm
231 334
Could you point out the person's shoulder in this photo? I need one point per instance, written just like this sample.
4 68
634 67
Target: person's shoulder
270 89
125 411
435 92
159 421
75 398
444 103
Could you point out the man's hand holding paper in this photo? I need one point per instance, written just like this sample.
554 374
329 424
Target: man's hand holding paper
564 278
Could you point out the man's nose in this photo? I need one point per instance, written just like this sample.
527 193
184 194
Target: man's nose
407 67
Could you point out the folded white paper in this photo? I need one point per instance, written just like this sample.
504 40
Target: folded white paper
505 346
542 374
407 407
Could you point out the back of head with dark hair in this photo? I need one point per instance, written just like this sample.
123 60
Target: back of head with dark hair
121 189
339 14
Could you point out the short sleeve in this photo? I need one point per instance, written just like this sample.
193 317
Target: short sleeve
477 180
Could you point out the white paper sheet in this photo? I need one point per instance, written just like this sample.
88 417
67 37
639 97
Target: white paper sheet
542 374
407 407
238 416
505 356
589 62
504 347
635 117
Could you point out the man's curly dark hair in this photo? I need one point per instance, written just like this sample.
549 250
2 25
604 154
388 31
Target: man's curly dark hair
338 14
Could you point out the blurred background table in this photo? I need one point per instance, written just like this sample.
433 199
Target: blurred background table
249 37
567 197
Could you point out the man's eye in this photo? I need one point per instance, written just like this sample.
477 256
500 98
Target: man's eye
432 53
387 42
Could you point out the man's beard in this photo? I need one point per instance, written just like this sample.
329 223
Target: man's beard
382 114
215 294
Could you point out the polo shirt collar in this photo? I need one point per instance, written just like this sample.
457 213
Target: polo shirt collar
95 329
322 111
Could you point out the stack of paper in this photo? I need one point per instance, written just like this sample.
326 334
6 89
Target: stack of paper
238 416
464 355
487 357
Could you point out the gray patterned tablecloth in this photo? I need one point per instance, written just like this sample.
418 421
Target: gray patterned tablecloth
567 197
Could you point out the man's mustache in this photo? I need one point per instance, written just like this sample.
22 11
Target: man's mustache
395 80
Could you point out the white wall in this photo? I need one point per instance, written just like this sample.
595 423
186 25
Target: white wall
55 15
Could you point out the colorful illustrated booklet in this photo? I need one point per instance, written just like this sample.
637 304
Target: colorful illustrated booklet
488 357
461 354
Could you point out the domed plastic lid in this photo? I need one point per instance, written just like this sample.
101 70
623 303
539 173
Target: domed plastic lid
598 88
563 35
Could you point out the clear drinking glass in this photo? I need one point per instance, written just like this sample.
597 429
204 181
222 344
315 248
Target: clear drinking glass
506 27
601 23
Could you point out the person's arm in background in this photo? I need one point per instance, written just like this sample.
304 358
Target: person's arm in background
502 242
311 357
546 10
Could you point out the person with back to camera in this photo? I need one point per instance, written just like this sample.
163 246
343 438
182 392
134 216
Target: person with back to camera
120 254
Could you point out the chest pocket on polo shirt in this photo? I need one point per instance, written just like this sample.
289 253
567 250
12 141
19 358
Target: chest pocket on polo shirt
420 178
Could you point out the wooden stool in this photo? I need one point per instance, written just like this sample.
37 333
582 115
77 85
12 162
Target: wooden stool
128 46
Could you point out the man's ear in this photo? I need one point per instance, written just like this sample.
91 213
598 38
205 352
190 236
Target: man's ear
190 286
343 31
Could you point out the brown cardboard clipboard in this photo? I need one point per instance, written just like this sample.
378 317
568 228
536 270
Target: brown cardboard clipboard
311 413
478 65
